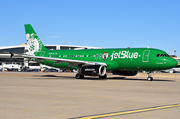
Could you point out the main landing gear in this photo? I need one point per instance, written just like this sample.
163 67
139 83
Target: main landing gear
103 77
149 77
79 76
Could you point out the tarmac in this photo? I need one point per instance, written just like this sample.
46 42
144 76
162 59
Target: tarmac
34 95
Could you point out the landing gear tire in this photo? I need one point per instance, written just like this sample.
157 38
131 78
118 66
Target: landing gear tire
150 78
79 76
103 77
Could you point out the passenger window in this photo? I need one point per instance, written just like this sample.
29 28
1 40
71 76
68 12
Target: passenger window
157 55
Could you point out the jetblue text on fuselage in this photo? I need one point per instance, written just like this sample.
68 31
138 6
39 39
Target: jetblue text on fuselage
124 54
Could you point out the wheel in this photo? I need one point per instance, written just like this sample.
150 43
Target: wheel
103 77
79 76
149 78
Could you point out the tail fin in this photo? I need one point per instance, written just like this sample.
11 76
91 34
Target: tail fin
33 42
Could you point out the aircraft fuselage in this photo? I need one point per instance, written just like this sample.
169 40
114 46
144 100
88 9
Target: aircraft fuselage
121 59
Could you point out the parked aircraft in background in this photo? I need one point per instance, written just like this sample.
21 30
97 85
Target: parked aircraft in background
95 62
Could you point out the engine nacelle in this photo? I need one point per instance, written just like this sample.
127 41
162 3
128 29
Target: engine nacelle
125 73
93 70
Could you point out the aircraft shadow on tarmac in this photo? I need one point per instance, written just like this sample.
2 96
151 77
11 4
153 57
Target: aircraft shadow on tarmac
96 78
160 79
53 77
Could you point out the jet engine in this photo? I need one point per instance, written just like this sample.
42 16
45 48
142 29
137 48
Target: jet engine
93 70
125 73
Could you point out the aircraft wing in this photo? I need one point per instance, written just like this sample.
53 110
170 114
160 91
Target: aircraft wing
60 60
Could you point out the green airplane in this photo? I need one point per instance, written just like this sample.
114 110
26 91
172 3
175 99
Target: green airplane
96 62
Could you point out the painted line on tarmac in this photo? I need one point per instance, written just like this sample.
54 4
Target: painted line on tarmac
127 112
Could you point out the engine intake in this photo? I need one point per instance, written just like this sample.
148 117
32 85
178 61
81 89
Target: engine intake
125 73
93 70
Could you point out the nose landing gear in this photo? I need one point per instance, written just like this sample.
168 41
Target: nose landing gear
149 76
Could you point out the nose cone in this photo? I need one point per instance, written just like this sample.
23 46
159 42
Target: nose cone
172 63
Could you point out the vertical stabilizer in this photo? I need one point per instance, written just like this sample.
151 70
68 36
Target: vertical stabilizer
33 42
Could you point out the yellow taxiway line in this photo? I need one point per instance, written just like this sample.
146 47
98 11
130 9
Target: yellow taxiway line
128 112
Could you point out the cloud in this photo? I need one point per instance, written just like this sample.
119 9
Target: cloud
55 36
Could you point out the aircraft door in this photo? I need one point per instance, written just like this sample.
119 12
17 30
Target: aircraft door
145 57
42 53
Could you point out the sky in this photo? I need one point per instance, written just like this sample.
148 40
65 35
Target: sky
96 23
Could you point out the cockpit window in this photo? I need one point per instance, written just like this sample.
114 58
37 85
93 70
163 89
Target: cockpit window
162 55
166 55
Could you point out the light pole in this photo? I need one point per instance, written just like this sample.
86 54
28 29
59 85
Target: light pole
174 52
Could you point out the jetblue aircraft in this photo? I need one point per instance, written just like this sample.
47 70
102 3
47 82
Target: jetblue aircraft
95 62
